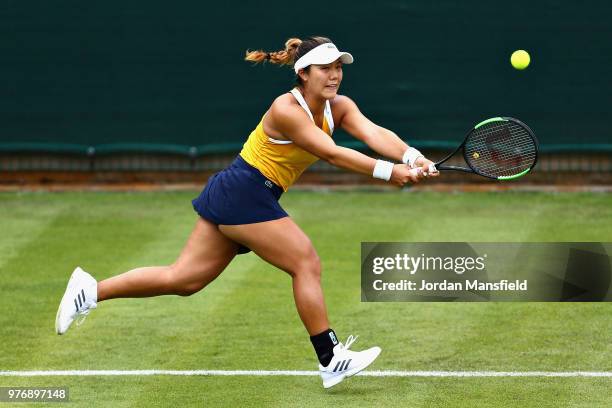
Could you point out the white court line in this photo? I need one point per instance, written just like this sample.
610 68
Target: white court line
263 373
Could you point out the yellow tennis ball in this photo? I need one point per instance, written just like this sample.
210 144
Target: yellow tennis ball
520 59
475 155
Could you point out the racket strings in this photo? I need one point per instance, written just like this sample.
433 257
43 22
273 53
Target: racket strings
501 164
500 161
500 149
507 154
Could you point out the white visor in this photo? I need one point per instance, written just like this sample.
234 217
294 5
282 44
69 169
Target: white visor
321 55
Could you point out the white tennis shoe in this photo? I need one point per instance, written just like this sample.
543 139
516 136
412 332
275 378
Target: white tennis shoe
80 297
346 363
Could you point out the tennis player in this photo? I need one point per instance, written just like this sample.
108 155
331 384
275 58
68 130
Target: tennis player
239 210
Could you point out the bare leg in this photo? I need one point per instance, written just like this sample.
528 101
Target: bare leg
283 244
205 255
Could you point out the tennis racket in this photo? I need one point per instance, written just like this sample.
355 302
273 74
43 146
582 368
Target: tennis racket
498 148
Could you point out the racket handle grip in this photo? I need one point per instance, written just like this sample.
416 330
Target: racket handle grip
432 169
417 172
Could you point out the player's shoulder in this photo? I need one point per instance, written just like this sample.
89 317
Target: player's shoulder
283 101
284 108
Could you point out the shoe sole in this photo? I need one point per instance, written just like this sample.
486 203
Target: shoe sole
334 381
57 330
349 373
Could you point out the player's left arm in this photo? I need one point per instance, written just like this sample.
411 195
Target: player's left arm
383 141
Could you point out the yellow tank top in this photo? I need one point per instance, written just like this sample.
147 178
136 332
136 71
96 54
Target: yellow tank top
282 161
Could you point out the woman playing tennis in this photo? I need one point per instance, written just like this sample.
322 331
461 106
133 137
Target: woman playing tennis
239 210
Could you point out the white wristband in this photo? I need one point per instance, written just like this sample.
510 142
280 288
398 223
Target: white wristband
383 170
410 156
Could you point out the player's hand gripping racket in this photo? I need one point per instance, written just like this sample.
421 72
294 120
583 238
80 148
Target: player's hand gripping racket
497 148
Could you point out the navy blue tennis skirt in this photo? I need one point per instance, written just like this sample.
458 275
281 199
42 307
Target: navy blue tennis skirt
239 194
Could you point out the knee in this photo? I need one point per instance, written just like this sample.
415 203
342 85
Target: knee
179 284
307 265
188 289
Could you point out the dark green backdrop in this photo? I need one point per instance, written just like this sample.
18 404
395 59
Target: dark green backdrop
149 72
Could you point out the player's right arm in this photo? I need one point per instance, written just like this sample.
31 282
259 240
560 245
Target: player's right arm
293 122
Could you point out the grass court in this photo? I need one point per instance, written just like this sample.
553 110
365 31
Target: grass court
246 319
